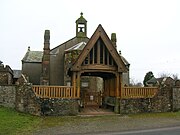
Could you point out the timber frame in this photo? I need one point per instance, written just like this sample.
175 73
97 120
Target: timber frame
99 58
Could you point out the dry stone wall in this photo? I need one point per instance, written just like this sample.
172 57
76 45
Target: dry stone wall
7 95
176 98
162 102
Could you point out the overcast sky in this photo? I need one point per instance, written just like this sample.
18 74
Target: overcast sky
148 31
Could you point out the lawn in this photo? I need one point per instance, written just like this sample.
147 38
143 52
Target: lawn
12 122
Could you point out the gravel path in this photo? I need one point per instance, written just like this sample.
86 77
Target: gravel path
98 124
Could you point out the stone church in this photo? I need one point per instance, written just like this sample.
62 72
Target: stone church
54 66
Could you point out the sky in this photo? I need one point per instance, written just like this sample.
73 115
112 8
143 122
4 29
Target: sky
147 31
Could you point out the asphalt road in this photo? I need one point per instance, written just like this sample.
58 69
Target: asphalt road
157 131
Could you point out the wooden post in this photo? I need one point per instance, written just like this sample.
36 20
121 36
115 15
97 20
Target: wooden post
74 84
120 85
78 85
117 85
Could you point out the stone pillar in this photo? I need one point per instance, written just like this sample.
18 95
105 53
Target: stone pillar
116 107
46 59
113 39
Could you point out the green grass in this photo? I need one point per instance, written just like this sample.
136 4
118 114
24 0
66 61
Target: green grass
12 122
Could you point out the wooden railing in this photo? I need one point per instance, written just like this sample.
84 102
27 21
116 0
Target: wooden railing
54 91
138 92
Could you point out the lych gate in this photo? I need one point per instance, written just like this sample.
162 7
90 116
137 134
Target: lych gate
67 73
99 58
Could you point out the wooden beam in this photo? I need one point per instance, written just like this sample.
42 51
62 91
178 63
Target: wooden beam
98 51
93 56
107 57
103 55
89 58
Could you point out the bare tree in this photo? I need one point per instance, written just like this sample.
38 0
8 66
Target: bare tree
134 82
173 76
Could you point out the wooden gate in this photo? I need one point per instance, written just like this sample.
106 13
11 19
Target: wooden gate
91 99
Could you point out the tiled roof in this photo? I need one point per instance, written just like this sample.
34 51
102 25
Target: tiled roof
33 56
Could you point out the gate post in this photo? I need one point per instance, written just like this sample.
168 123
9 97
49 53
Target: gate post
116 107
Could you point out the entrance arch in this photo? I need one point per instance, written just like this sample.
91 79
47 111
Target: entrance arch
99 58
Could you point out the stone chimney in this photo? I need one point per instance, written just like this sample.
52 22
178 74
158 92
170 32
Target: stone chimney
46 59
113 39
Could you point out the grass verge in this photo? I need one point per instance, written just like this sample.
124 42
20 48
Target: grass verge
12 122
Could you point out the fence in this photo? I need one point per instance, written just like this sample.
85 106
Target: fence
68 92
54 91
138 92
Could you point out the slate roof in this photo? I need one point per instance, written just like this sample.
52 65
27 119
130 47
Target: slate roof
125 61
78 46
17 73
33 56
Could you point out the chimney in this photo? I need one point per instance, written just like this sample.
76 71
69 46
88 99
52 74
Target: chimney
113 39
46 59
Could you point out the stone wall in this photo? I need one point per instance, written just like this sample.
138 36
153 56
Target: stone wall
162 102
176 98
28 102
7 96
6 75
59 106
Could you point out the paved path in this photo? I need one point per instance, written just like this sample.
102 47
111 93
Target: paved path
108 125
155 131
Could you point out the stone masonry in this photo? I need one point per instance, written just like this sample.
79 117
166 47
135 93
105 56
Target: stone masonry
8 96
162 102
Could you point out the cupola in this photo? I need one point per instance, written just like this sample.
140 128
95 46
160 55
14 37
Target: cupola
81 27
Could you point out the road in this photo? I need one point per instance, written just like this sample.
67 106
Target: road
157 131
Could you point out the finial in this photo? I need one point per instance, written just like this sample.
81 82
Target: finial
81 13
28 48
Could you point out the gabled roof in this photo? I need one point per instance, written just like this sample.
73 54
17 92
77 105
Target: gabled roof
33 56
100 33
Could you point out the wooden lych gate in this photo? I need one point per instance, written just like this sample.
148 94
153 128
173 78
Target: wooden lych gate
99 58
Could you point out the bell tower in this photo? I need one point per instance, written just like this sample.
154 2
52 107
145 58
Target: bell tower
81 27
